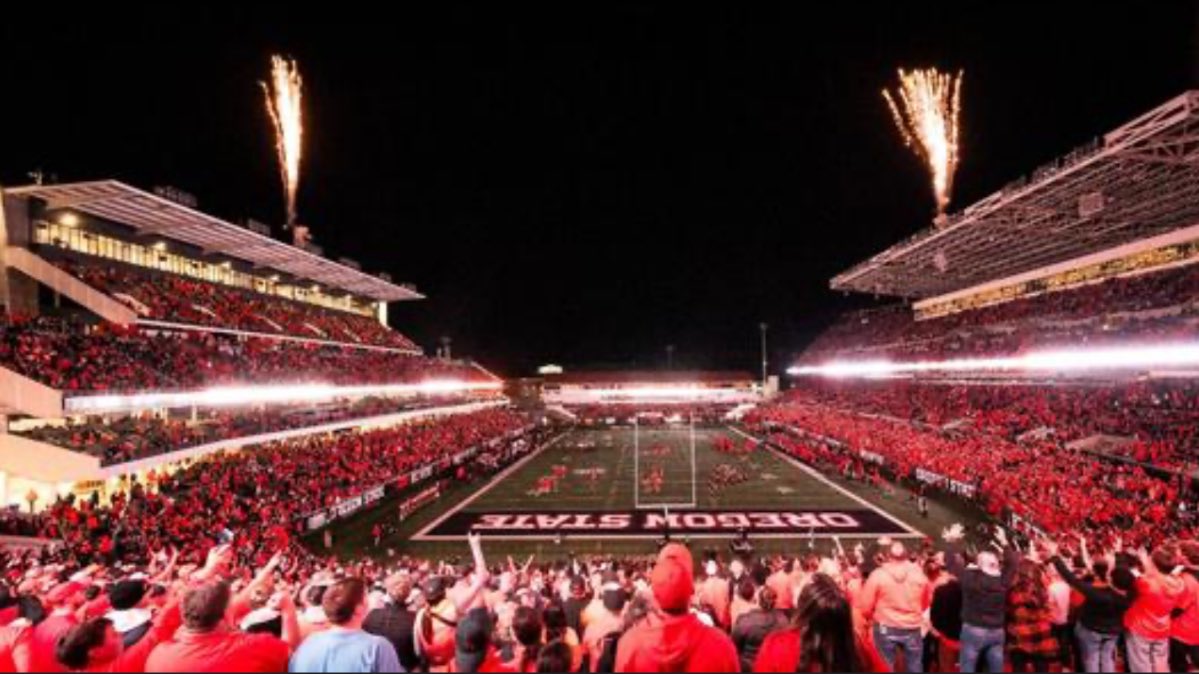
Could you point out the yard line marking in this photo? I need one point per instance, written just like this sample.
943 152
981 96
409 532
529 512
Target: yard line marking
572 538
816 474
495 481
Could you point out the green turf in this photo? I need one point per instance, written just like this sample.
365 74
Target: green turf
614 491
773 483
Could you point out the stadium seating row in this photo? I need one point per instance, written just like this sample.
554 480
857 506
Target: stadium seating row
1158 306
179 299
1034 476
145 435
78 357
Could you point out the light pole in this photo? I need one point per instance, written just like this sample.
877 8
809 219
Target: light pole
762 329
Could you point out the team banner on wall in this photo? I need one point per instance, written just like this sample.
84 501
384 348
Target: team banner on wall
349 506
952 486
646 523
415 503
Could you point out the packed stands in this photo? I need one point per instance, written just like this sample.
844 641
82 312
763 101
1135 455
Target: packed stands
204 573
145 435
264 490
179 299
1156 420
1151 307
1002 457
79 357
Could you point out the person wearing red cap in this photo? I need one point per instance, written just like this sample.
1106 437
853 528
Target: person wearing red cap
670 638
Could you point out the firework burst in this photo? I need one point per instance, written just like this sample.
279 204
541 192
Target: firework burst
283 96
926 108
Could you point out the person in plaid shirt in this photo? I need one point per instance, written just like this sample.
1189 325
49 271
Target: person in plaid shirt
1032 645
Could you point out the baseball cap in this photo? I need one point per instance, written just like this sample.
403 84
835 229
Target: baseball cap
673 579
472 639
613 597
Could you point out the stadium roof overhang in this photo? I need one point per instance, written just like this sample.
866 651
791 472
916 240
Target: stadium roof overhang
1138 181
151 214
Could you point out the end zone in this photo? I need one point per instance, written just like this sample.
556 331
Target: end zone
642 524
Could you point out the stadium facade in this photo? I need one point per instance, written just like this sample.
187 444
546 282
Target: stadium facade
141 333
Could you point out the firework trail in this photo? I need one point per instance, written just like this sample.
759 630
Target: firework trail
926 109
283 96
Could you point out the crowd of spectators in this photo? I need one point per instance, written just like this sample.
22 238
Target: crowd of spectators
1035 478
997 601
262 493
202 570
78 357
1152 307
182 299
1153 421
138 436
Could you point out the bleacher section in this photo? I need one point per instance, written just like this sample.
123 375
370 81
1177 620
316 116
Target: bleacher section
1150 307
78 357
139 333
1008 449
188 301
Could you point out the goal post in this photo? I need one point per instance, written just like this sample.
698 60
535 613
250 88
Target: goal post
639 500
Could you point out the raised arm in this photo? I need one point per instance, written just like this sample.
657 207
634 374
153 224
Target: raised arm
163 577
291 624
464 603
953 554
240 604
1085 589
1011 563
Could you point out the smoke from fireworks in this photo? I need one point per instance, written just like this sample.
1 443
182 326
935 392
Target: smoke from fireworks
283 104
926 109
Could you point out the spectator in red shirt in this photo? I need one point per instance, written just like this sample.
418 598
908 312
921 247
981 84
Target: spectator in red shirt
822 638
96 646
1147 622
205 643
670 638
64 603
1184 632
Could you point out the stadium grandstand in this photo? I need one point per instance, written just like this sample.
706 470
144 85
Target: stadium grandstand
218 455
1037 317
1095 249
141 332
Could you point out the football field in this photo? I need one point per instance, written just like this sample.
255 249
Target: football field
641 484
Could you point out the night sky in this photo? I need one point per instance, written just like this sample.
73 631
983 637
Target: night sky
584 188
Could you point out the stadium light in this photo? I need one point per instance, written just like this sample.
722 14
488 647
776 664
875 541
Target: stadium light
685 391
1054 360
254 395
68 219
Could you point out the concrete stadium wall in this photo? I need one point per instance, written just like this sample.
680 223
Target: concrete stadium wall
19 393
63 283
